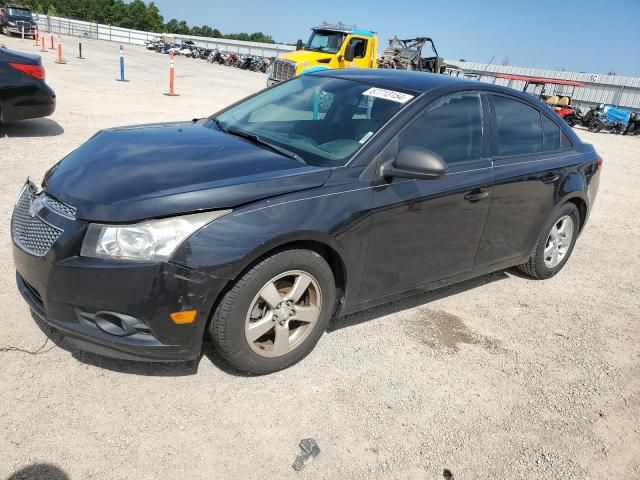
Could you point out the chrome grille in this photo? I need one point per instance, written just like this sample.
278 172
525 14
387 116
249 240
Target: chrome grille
283 70
29 232
58 206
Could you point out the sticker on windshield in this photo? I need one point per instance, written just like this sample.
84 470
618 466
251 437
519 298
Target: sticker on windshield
388 95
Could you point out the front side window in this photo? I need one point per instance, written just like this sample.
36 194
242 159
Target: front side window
451 127
325 41
324 120
519 127
360 44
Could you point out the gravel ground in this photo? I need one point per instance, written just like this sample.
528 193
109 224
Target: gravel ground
497 377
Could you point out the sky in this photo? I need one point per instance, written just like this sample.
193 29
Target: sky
596 36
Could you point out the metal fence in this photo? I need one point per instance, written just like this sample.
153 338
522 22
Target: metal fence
610 89
77 28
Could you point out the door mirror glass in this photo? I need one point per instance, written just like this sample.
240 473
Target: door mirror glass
416 163
350 53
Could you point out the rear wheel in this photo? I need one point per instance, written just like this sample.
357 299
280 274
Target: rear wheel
276 313
555 243
595 126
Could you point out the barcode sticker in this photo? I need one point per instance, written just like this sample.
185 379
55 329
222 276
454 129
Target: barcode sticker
388 95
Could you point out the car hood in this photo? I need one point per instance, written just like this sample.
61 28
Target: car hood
299 56
133 173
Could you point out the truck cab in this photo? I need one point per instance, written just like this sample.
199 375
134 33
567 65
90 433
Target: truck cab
328 47
14 18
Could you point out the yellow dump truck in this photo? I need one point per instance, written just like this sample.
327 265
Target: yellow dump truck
329 47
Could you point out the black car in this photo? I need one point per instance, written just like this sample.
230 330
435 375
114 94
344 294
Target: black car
23 91
327 194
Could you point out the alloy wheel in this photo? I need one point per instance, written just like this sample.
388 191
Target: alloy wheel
558 241
283 313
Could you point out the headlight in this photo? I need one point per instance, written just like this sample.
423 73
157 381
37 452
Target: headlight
12 24
152 240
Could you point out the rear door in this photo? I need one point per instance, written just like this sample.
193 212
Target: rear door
427 230
529 151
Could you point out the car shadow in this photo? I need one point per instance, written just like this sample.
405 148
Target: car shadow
37 127
180 369
414 300
39 471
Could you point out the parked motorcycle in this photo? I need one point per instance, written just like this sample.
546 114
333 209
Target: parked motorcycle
609 118
633 127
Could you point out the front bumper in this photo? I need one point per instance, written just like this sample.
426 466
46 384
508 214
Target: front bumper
271 81
116 309
18 30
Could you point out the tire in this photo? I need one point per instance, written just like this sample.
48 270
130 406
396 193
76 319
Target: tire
595 126
234 316
538 266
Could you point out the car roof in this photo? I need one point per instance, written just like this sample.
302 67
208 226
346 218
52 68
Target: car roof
418 82
421 82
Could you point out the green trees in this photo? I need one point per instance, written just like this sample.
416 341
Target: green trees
135 14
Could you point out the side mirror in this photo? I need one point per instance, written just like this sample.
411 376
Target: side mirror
299 45
350 53
416 163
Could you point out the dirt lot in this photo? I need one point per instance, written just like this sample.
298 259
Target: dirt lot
499 377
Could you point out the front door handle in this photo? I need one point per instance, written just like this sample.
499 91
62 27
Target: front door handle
476 195
550 178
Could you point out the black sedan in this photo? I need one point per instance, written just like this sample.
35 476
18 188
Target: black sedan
327 194
23 91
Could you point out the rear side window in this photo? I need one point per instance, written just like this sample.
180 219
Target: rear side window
451 126
551 134
519 127
566 143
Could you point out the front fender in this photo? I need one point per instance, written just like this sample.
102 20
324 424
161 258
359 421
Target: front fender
228 245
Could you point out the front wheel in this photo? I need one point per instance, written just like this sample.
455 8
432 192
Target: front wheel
275 313
555 243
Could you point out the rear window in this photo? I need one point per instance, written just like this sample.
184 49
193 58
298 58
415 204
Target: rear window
519 127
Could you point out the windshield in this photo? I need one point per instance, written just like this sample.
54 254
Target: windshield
325 41
323 120
19 12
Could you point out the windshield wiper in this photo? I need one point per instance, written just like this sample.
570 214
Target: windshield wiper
219 125
259 141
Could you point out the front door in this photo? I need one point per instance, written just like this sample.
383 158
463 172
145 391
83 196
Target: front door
427 230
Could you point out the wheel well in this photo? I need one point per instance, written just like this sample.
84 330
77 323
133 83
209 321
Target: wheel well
581 205
329 254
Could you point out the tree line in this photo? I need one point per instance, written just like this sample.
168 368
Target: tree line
135 15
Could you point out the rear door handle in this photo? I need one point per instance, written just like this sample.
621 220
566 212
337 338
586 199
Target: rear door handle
550 178
476 195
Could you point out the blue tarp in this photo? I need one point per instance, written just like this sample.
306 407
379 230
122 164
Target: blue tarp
615 114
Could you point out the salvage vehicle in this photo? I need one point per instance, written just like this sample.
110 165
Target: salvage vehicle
330 46
325 195
15 20
23 91
407 55
554 92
